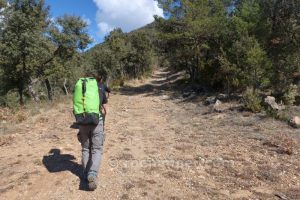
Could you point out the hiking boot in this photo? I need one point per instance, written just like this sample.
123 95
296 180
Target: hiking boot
92 179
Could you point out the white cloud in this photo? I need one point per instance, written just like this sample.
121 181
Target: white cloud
86 20
125 14
52 19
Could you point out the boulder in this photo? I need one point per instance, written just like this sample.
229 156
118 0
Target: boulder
223 97
165 97
213 99
271 103
295 122
190 94
218 106
210 100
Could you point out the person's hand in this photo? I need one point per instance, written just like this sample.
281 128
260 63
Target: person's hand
103 110
78 137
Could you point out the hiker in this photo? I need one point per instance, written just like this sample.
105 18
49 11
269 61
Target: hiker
103 89
87 104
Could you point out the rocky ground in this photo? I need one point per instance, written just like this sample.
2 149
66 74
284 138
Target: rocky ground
158 145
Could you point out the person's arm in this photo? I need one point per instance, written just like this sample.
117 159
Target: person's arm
107 90
103 109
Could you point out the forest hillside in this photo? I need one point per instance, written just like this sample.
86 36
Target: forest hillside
205 102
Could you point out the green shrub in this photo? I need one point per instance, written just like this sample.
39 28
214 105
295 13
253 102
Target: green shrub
252 101
290 94
283 116
11 100
116 83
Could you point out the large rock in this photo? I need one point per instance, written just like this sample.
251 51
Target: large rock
217 107
189 94
165 97
210 100
271 103
295 122
213 99
223 97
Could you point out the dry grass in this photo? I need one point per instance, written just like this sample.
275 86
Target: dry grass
6 140
21 116
5 114
38 162
283 144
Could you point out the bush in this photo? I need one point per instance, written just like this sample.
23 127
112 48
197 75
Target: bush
11 100
252 101
290 94
116 83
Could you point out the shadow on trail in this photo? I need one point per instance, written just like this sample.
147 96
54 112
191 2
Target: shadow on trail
57 162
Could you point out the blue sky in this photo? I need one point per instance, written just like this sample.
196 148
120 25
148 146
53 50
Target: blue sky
105 15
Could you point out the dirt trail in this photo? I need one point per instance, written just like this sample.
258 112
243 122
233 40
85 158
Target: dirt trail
158 146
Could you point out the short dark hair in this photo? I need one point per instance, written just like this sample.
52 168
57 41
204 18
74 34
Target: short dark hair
98 78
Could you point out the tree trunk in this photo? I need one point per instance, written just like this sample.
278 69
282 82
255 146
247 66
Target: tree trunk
65 87
135 72
108 80
21 80
49 89
32 92
228 86
20 90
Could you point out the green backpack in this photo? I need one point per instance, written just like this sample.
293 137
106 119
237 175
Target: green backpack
86 102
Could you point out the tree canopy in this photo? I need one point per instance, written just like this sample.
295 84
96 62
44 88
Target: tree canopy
224 45
233 45
34 47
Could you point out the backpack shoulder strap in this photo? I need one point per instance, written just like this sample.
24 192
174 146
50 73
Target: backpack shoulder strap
83 93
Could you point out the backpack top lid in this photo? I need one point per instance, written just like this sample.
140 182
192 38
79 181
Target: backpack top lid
86 96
